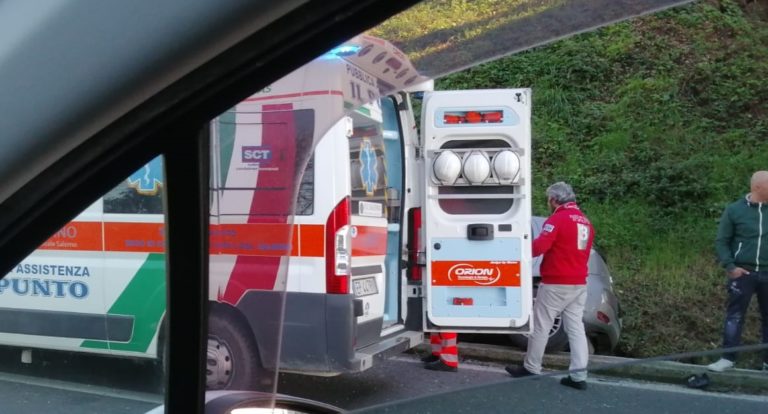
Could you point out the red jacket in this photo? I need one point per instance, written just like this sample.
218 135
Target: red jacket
565 241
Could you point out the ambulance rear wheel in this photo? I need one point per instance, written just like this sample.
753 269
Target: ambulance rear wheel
233 358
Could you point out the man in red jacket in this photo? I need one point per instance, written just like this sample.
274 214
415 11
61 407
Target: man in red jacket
565 241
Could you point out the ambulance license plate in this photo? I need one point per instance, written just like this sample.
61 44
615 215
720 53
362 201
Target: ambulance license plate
365 286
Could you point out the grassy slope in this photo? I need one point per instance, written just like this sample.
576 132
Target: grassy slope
658 123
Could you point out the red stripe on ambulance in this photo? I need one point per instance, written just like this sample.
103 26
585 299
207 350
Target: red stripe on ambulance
77 235
293 95
134 237
260 272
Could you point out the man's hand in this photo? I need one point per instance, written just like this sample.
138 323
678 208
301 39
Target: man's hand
737 272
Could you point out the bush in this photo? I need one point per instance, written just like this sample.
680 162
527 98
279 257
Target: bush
658 123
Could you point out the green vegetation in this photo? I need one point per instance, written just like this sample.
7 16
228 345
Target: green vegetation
430 29
658 123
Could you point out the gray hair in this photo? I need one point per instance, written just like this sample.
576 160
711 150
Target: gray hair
561 192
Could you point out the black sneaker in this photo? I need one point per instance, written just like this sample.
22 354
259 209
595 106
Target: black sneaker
430 358
440 366
518 372
568 382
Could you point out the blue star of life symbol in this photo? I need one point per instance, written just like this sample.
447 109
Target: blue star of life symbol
148 179
368 163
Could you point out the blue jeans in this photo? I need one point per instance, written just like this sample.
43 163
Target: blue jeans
740 291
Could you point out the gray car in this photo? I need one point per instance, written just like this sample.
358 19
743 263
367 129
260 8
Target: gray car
602 317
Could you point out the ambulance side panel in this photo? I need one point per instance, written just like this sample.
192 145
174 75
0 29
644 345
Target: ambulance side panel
319 329
134 263
98 284
38 296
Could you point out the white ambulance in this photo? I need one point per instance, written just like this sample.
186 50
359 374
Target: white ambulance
316 256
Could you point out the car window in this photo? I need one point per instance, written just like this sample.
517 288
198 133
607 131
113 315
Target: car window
305 198
141 193
646 284
92 295
645 287
367 163
298 292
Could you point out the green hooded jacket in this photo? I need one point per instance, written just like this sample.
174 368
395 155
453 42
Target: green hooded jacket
742 236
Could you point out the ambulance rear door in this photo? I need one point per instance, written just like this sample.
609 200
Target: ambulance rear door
477 210
369 211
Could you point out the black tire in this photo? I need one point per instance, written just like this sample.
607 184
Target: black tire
233 357
558 339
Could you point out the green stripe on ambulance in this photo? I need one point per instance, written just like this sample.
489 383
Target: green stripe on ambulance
144 300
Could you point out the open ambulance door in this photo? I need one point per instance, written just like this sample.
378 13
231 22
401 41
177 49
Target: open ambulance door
477 211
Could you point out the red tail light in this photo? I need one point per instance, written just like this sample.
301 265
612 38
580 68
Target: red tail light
493 117
414 245
473 117
337 249
602 317
453 119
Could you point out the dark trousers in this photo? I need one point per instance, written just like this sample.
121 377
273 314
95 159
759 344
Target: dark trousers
740 292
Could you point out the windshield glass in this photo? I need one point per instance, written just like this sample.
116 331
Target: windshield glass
442 37
624 115
361 218
93 294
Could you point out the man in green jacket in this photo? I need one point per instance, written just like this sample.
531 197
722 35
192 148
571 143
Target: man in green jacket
742 249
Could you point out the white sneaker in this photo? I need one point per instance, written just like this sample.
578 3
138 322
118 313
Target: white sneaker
765 366
720 366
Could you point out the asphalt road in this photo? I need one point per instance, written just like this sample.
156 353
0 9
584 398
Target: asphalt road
59 383
400 386
84 384
23 394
